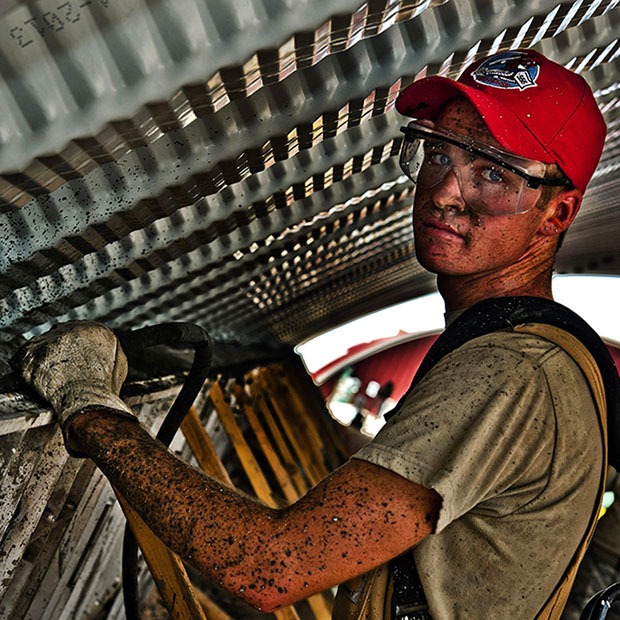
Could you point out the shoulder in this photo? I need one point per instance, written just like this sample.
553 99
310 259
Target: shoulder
512 343
506 355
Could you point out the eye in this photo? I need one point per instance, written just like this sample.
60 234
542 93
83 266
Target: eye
438 159
493 174
435 154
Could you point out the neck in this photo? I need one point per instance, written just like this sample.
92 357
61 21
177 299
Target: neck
530 276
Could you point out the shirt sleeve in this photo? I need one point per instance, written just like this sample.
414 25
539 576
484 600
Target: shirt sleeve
476 427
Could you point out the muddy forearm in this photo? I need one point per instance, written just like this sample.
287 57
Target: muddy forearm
357 518
204 521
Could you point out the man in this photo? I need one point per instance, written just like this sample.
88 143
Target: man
490 468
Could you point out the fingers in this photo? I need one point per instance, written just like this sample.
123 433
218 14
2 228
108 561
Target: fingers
77 352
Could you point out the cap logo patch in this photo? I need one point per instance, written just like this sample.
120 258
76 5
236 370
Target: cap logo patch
507 71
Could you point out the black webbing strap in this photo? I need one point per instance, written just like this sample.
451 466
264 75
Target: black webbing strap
485 317
408 599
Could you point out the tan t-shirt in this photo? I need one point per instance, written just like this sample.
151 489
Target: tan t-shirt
506 431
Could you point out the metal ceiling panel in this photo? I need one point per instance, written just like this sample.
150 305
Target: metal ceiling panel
235 164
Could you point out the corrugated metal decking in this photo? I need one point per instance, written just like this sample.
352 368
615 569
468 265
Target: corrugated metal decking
237 166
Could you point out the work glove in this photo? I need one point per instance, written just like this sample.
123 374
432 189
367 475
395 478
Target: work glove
76 366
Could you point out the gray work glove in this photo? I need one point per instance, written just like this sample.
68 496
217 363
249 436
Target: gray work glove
77 366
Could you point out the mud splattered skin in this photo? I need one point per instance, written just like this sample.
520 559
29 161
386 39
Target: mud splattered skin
357 518
478 255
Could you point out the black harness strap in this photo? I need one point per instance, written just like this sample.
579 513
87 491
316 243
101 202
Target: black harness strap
408 600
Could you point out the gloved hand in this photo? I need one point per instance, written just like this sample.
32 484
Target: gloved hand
76 366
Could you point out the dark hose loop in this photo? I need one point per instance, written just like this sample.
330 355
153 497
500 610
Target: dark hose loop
172 334
600 604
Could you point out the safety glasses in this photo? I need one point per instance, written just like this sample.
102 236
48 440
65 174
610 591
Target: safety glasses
492 181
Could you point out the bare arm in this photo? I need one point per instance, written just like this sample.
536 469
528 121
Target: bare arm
357 518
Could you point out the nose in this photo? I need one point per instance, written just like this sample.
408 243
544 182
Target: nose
448 192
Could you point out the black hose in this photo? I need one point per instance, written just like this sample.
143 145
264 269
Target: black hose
600 604
172 334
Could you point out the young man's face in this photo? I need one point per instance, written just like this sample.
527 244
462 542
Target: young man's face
453 239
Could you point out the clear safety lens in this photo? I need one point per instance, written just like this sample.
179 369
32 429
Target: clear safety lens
491 181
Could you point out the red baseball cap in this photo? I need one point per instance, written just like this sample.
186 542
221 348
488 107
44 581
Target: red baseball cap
534 107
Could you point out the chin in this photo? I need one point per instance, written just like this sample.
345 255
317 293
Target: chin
451 266
439 260
439 265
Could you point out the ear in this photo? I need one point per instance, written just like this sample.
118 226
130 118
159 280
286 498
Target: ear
561 211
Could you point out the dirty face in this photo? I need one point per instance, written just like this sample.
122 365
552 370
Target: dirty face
453 239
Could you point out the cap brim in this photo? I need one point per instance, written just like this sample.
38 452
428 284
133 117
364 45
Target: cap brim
423 100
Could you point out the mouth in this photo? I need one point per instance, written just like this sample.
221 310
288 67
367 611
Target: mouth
441 230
